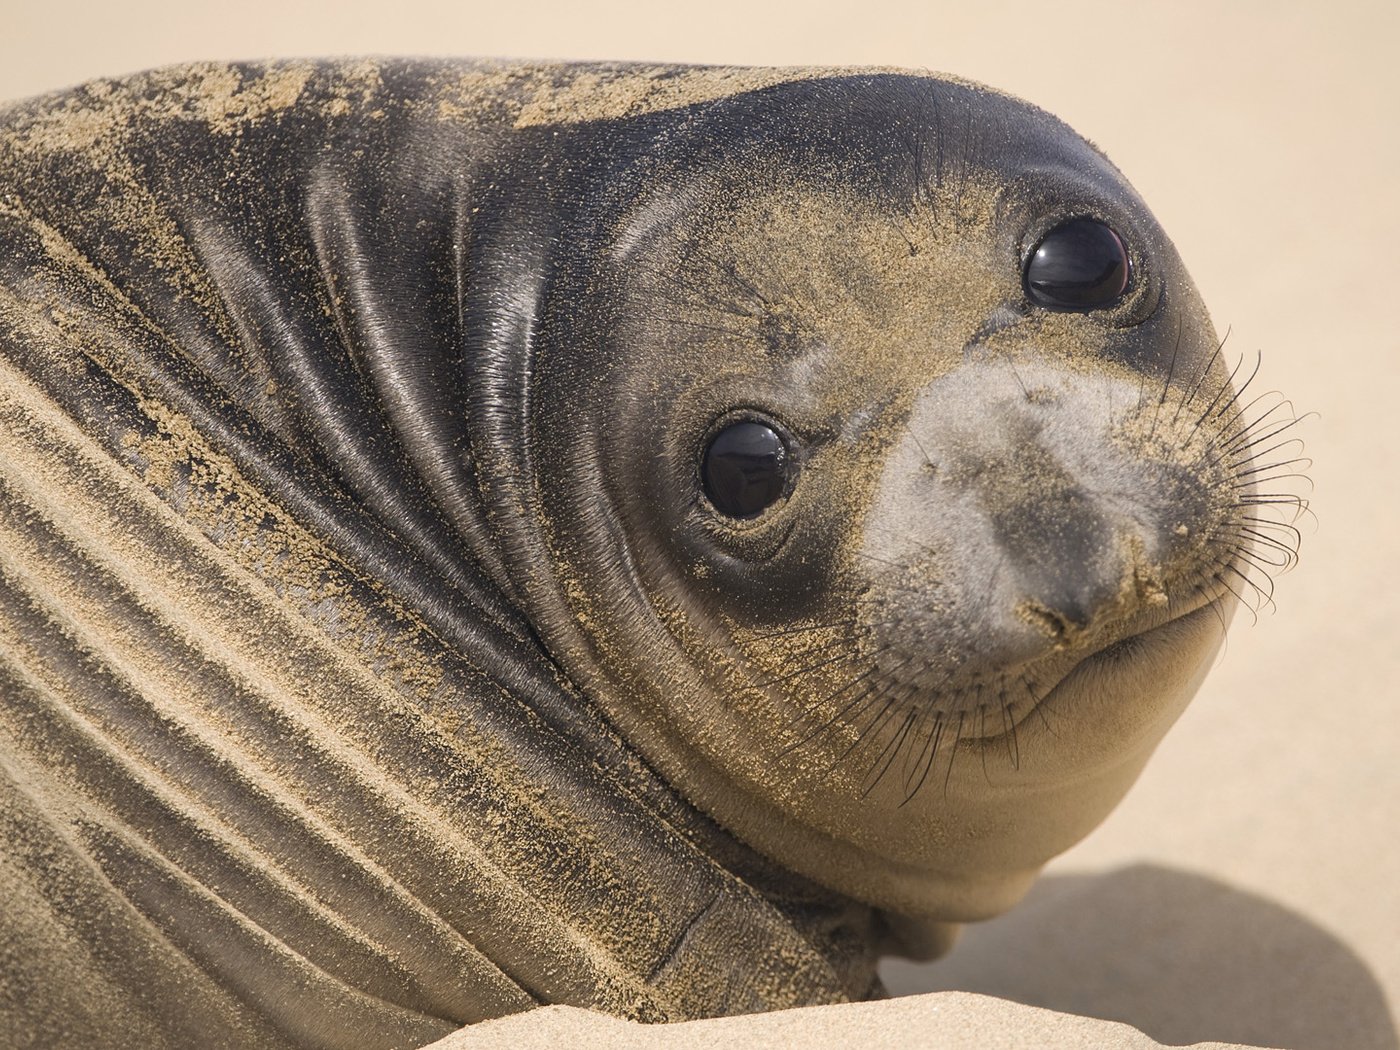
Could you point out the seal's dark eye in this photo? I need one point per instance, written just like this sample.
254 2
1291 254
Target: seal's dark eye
745 469
1079 265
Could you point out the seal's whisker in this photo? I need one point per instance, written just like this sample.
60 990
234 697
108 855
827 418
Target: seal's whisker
1250 458
1254 612
1253 558
1234 443
1266 499
905 751
1265 598
1005 355
1263 429
1289 554
1268 523
1273 477
810 709
890 585
1214 607
852 711
1274 426
1237 551
731 270
1037 707
1205 371
930 750
894 222
892 749
851 644
867 699
1231 407
690 291
1247 533
900 588
1224 387
1231 439
952 754
1295 506
1167 385
1248 410
863 734
982 737
1266 564
917 176
1298 461
812 646
859 701
843 648
846 708
807 669
1013 744
910 754
1255 521
928 460
1249 380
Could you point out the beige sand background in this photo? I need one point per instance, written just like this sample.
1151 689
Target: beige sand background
1249 888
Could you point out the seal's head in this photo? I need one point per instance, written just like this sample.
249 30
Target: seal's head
894 484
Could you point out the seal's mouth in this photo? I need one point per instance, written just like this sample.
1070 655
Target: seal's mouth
1117 656
1127 658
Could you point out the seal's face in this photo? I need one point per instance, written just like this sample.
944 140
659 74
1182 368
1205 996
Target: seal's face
919 497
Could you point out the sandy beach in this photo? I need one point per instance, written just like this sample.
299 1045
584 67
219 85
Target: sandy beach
1246 890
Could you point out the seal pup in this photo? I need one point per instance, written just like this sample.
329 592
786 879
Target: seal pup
475 535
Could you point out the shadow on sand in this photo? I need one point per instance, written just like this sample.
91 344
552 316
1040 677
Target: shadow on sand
1181 957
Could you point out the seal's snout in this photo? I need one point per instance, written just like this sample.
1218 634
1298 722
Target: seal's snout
1027 531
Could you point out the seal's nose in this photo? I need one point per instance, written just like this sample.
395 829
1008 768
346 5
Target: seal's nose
1063 551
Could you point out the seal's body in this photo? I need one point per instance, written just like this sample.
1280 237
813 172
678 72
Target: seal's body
479 535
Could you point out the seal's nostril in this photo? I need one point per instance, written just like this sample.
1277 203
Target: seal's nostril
1052 622
1064 608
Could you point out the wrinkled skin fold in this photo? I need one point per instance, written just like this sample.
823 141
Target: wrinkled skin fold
371 659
